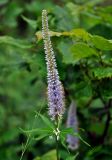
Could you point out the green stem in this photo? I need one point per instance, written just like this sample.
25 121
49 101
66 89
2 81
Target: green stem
57 141
57 149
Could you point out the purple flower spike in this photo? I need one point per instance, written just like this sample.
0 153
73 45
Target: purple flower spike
73 142
55 88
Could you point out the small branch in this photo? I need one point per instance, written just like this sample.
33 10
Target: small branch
107 122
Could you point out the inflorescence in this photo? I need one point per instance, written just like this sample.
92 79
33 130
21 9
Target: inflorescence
55 89
73 141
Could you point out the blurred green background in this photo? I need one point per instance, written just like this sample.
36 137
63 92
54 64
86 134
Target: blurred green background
85 70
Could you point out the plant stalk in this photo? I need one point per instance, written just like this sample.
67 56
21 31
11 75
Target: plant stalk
57 138
57 149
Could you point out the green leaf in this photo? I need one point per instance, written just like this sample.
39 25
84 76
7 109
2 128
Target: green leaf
64 49
82 50
102 72
72 157
66 131
76 134
32 23
47 121
40 137
101 43
63 141
51 155
41 131
14 42
78 33
52 34
46 131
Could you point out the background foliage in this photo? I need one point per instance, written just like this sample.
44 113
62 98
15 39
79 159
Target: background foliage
81 36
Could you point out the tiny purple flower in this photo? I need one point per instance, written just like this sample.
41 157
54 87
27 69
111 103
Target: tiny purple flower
73 142
55 88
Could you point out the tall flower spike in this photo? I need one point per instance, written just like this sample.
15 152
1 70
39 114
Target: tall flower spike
55 88
73 142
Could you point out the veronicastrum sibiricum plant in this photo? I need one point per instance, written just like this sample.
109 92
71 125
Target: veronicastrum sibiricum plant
55 88
56 101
